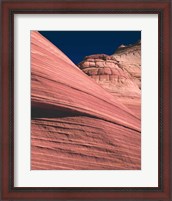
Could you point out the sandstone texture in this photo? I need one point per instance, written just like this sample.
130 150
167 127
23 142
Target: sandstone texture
76 124
119 74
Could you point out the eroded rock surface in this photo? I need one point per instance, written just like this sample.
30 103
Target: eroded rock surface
76 124
119 74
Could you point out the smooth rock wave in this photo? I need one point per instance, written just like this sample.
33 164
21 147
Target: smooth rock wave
76 124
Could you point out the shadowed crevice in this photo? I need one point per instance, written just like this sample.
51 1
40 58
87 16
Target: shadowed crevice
54 113
39 112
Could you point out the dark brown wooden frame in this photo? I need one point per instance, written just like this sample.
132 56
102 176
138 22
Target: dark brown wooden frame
12 7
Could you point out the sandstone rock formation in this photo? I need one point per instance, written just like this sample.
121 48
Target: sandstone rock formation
76 124
119 74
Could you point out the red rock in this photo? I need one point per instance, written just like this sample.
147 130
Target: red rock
124 70
99 64
76 124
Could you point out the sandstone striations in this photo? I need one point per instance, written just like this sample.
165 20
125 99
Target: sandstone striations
76 124
119 74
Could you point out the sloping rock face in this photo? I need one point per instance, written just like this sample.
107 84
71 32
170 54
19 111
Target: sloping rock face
119 74
76 124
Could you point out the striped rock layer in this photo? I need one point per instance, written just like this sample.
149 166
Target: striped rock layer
76 124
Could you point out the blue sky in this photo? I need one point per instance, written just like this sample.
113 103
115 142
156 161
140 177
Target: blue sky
78 44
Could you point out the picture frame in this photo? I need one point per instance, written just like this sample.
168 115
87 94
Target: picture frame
9 10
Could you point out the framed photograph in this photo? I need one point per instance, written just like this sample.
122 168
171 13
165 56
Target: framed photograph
86 100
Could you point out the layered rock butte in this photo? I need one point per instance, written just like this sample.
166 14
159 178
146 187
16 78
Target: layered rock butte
119 74
76 124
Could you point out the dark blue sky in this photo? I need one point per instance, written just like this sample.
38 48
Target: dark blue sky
78 44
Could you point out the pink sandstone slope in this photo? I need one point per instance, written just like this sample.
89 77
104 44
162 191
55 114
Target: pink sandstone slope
76 124
119 74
